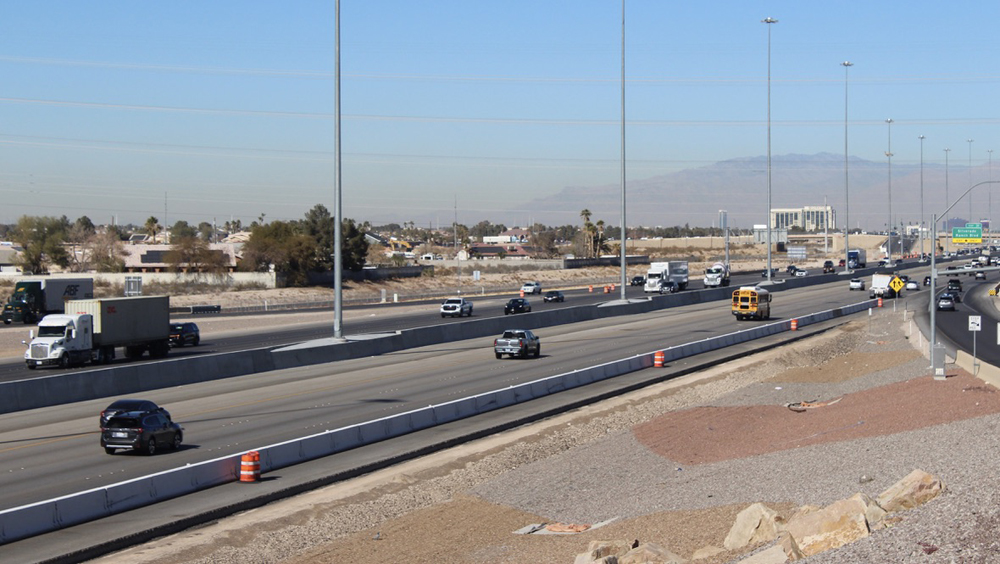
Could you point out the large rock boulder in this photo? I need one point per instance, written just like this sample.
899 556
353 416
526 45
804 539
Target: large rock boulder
916 488
837 524
756 523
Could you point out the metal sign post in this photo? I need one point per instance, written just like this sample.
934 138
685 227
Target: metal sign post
975 325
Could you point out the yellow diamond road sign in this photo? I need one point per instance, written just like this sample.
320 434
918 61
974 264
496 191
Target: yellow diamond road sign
896 284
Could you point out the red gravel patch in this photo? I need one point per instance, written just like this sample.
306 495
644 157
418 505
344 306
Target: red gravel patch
712 434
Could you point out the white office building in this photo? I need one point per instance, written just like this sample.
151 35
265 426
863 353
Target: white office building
808 218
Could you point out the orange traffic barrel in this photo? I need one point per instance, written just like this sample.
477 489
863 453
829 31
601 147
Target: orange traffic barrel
658 359
795 325
590 288
250 467
522 293
612 287
880 302
607 289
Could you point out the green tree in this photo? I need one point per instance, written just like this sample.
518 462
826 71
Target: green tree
319 225
182 230
284 247
152 226
42 239
355 247
206 231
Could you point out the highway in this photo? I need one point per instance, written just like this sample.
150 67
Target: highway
54 451
385 318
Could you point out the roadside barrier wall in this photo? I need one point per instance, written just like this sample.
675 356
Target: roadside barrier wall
41 517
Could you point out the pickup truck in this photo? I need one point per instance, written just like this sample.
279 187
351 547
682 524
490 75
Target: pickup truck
517 342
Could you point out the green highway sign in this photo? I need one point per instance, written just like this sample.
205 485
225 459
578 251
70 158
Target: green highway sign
967 234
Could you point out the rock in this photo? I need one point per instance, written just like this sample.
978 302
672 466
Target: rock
706 552
756 523
773 555
650 553
789 546
874 514
916 488
837 524
601 550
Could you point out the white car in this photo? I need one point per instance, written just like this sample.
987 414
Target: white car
531 288
857 284
800 272
912 285
456 307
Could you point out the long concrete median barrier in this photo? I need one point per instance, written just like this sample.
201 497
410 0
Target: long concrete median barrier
37 518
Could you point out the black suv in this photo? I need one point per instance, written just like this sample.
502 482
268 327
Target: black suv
954 285
141 432
828 267
516 305
638 280
184 334
130 405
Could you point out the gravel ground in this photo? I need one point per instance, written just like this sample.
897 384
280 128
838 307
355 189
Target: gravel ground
614 462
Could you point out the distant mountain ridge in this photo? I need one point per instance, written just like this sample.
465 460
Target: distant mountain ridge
695 196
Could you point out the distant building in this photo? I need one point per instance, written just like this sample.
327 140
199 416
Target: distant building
808 218
150 258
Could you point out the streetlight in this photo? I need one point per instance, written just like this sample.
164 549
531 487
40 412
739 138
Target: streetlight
989 210
338 284
769 21
971 218
888 155
847 200
921 230
623 236
931 305
947 239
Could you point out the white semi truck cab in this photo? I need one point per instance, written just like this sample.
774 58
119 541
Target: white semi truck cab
62 340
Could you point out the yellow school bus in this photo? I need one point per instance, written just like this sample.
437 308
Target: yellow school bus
750 302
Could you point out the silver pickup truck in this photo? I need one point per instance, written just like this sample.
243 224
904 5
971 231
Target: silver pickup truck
517 342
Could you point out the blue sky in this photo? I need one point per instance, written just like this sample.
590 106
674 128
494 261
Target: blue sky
204 111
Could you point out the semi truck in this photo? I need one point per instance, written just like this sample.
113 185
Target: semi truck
717 275
34 298
856 258
91 331
675 270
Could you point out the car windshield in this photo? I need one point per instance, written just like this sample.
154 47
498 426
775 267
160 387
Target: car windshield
177 327
57 331
450 301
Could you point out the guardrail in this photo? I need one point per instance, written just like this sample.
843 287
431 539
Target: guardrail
45 516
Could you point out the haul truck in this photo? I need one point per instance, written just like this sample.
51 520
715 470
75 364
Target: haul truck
91 330
660 272
35 298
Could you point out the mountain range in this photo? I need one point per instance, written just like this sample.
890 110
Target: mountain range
694 196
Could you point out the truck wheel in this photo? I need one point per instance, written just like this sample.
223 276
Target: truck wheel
499 355
31 366
538 351
64 361
109 450
6 321
523 353
197 341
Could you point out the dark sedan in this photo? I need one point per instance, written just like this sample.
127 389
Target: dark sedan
516 305
553 296
638 280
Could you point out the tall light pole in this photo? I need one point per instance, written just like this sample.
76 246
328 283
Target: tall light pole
888 154
623 236
971 218
338 304
921 229
847 199
769 21
989 210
